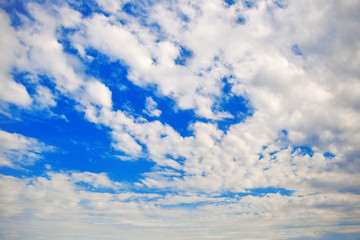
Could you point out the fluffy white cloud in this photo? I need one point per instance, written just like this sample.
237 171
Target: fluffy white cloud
287 91
10 47
44 52
153 63
297 66
284 89
151 107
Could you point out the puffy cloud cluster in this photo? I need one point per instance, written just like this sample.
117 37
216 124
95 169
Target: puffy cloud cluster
296 62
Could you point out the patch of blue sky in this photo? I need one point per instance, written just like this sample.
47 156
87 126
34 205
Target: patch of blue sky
230 2
177 159
131 98
27 80
88 148
139 10
155 28
184 17
303 150
331 236
296 50
350 189
64 35
192 205
15 9
241 20
125 95
280 3
329 155
238 106
86 8
135 8
268 190
283 139
248 4
80 145
284 133
273 153
178 119
257 192
185 55
347 223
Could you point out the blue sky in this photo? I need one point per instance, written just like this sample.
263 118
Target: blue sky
179 119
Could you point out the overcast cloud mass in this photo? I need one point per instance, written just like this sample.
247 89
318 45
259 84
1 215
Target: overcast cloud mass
202 119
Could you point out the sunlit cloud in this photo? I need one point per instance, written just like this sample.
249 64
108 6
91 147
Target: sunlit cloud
224 119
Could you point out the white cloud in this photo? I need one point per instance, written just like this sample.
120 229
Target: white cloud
98 94
44 97
178 82
42 203
126 143
99 180
110 5
151 108
314 97
43 48
284 89
10 91
17 150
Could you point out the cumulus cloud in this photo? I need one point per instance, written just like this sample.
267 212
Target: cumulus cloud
10 91
281 86
150 107
98 94
296 62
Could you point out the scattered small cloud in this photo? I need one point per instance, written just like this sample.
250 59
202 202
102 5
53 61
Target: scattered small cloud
151 108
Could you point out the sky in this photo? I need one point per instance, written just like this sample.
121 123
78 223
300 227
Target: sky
178 119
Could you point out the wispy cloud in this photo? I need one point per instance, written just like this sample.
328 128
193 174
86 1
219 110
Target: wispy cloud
17 150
